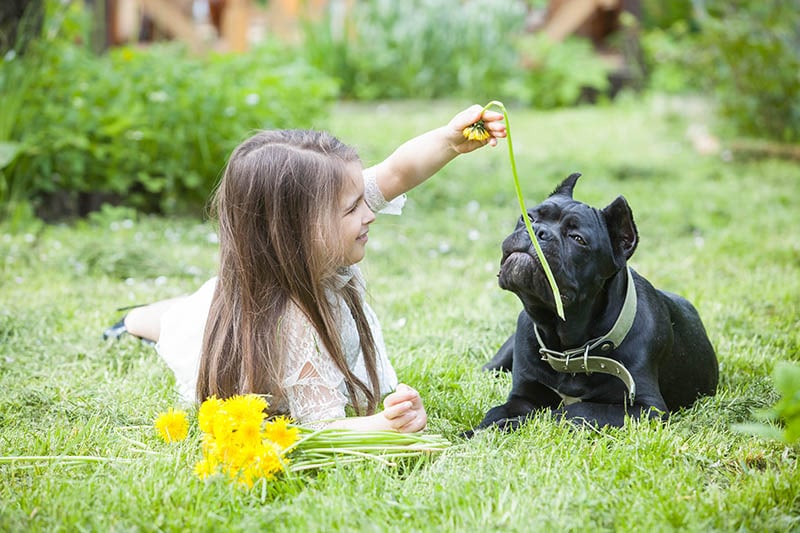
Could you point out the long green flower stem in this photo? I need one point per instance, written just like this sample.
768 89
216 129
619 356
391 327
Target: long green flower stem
328 447
534 240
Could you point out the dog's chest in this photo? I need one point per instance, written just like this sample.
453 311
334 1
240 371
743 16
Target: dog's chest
577 387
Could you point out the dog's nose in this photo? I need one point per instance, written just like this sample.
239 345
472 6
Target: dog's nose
543 234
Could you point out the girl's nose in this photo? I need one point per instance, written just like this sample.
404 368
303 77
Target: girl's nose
369 217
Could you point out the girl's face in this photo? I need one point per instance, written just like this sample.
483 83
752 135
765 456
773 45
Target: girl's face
355 219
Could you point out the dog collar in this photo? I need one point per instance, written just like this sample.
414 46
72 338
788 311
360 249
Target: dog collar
581 359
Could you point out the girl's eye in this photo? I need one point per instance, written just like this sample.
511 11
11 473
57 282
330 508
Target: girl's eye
352 208
577 238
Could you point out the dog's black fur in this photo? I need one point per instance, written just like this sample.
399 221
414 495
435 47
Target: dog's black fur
667 350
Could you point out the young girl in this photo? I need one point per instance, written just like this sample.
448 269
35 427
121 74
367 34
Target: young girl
286 315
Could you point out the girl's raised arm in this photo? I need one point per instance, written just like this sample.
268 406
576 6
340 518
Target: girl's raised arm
420 158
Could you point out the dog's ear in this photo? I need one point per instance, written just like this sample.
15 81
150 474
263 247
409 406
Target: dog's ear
567 186
621 228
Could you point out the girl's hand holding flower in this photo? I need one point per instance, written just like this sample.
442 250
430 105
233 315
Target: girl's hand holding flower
481 127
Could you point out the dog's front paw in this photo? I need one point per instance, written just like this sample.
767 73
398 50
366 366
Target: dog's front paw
468 434
506 425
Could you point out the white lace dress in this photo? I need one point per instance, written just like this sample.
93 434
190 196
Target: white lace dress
313 389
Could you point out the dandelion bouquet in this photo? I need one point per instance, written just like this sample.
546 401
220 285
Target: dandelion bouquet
239 442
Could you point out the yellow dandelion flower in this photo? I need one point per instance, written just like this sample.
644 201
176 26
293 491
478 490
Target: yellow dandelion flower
246 409
205 468
207 413
245 476
172 426
248 433
476 132
280 432
268 463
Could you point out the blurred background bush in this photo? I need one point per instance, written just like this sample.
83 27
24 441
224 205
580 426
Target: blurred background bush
86 119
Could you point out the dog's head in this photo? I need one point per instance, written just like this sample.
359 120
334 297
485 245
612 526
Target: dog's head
584 247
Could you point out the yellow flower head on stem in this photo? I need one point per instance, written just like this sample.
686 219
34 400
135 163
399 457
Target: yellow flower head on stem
476 132
172 426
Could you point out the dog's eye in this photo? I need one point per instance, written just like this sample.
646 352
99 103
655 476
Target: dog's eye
577 238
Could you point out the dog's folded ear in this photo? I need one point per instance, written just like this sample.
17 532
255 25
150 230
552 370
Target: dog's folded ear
621 229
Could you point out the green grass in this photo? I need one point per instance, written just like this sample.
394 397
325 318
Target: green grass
723 234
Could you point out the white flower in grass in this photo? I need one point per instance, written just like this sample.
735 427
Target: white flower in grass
193 270
158 96
135 135
252 99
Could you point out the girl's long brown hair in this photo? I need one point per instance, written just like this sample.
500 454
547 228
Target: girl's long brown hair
278 206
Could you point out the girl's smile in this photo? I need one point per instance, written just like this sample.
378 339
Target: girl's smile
356 218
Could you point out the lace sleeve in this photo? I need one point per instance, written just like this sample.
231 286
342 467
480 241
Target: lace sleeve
374 196
312 384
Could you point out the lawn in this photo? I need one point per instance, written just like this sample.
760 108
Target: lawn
720 230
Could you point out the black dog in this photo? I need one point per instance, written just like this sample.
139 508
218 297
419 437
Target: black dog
625 347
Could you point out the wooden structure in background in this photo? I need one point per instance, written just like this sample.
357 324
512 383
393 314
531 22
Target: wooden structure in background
169 17
598 20
595 19
134 20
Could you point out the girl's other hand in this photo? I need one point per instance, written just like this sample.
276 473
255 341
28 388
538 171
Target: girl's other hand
403 410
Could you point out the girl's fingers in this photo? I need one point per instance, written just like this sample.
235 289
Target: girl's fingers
402 394
416 423
403 418
397 410
491 116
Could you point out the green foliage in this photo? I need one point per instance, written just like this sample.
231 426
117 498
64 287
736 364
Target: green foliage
670 58
785 412
664 15
752 62
153 125
427 49
557 73
419 48
745 54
